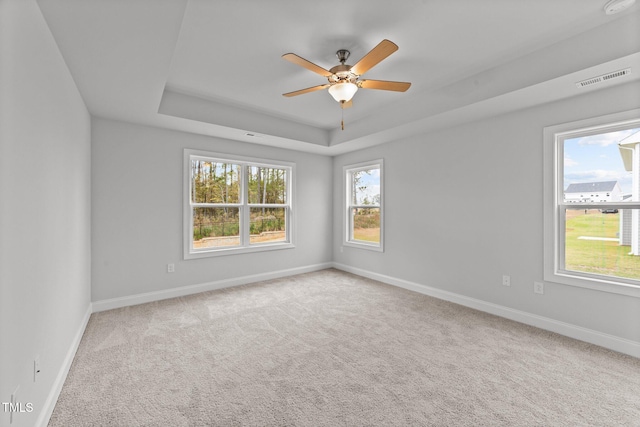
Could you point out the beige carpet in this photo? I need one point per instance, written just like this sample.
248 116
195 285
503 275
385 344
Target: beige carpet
333 349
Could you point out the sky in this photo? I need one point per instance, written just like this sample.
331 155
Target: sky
596 158
371 183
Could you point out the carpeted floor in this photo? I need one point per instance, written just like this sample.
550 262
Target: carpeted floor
334 349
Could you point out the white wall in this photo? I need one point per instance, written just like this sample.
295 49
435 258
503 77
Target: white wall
44 210
137 196
464 206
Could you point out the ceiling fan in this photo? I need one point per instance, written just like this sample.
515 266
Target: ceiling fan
344 80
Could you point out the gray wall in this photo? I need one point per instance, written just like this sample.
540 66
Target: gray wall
92 210
137 198
45 246
464 206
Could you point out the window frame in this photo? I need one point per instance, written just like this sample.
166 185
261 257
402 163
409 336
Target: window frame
554 205
243 205
348 170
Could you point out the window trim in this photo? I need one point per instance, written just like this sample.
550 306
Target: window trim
244 206
346 223
553 202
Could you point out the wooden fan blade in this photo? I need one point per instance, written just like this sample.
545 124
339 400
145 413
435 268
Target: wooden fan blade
292 57
384 85
347 104
307 90
377 54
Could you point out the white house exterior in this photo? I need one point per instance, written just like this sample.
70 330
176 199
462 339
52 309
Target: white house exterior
630 218
605 191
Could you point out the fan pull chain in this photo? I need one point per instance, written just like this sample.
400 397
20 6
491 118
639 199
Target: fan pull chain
342 107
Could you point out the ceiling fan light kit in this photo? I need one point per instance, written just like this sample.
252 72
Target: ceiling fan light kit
344 79
343 92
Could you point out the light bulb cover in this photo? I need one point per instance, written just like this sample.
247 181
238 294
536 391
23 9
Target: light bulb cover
343 92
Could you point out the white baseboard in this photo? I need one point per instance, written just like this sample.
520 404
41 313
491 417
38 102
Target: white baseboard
109 304
52 398
611 342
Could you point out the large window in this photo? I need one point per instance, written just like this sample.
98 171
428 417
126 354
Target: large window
364 205
235 204
592 203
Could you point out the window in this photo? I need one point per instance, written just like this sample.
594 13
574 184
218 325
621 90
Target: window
594 241
364 205
236 204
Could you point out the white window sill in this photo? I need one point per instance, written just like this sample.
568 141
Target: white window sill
363 245
265 247
613 286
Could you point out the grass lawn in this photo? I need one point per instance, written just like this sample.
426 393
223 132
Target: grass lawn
596 256
366 225
367 234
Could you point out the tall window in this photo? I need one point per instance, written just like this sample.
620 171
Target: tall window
364 205
592 218
235 204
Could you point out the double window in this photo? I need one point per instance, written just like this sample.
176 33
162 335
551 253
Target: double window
592 203
364 205
236 204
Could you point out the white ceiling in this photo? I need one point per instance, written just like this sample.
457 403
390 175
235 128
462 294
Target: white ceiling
215 67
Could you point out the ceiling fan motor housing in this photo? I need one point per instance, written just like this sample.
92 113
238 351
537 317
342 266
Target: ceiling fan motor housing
342 74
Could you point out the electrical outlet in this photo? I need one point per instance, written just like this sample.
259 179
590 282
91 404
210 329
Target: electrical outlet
36 368
171 268
538 287
506 280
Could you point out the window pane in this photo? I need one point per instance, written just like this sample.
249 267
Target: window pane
366 187
268 225
215 227
215 182
602 242
366 224
598 168
267 185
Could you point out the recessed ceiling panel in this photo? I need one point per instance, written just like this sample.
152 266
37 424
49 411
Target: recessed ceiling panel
124 55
